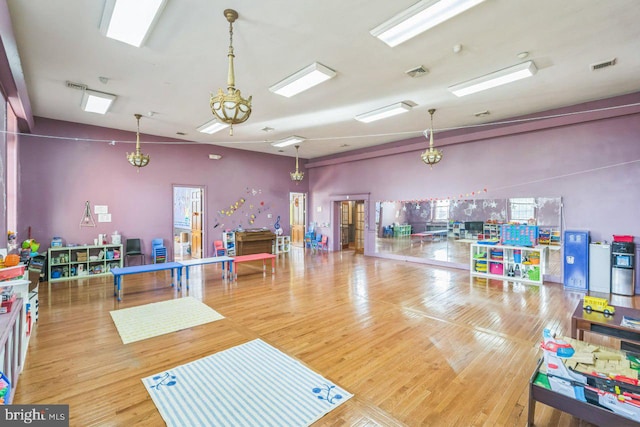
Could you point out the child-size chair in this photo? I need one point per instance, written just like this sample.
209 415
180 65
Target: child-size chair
158 251
218 248
309 237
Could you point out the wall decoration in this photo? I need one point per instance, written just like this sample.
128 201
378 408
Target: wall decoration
87 218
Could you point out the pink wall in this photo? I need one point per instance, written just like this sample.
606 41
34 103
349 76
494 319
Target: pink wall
57 176
593 164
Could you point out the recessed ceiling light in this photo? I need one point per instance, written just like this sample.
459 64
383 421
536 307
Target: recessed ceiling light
522 55
212 126
292 140
384 112
130 21
497 78
96 102
418 18
302 80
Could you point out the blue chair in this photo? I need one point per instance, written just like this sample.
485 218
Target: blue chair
387 231
315 243
158 251
309 237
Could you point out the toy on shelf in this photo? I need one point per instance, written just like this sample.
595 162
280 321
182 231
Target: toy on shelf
598 304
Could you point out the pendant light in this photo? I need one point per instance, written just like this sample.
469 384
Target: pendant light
230 108
432 155
138 159
297 176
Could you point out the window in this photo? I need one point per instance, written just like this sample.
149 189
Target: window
441 210
522 209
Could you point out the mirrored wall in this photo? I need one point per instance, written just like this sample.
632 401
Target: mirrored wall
442 230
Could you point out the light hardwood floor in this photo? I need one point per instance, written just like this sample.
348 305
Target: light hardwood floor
417 345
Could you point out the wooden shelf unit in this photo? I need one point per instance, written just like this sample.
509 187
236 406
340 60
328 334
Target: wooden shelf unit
75 262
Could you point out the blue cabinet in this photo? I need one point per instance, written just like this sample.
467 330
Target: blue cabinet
576 260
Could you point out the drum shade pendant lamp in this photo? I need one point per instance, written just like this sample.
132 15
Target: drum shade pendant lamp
230 107
432 155
297 176
138 159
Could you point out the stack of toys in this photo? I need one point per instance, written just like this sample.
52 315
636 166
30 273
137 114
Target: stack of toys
5 388
593 374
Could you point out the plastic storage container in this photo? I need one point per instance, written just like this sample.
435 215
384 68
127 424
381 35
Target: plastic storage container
617 238
56 242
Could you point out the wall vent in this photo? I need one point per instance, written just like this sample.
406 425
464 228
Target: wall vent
417 71
601 65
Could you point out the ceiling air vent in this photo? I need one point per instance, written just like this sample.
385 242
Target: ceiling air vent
601 65
78 86
417 71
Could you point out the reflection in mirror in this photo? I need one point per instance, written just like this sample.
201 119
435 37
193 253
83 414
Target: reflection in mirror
442 230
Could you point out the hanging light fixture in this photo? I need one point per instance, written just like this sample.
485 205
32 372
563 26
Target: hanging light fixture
138 159
230 107
432 155
297 176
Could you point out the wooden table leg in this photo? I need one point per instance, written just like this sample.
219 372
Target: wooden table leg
532 408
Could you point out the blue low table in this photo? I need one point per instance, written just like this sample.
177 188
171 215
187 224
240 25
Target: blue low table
227 265
118 272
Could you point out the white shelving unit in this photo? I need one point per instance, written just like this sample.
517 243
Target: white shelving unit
15 329
520 264
491 231
229 240
78 262
283 245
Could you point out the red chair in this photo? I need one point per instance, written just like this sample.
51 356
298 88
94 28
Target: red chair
324 243
218 248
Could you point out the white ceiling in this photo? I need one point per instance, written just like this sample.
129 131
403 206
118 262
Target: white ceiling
184 59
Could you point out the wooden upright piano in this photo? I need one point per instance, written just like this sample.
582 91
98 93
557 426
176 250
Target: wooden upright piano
254 242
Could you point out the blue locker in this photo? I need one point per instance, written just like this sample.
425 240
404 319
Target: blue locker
576 260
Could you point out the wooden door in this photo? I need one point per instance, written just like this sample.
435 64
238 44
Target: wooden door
360 226
297 208
196 223
344 225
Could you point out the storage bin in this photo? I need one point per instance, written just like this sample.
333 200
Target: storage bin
618 238
56 242
517 257
12 272
534 273
496 268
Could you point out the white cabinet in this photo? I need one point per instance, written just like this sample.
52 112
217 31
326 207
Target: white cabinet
77 262
514 263
282 245
229 240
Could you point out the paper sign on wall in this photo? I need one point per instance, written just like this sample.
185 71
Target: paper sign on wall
100 209
104 217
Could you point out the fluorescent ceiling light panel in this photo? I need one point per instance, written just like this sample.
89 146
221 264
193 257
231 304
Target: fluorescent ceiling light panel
384 112
292 140
304 79
498 78
96 102
130 21
418 18
212 127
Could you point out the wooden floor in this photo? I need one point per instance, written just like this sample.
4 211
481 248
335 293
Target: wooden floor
416 345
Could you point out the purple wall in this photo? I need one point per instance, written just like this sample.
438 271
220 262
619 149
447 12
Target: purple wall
57 177
591 160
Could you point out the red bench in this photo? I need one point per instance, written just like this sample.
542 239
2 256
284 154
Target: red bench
253 257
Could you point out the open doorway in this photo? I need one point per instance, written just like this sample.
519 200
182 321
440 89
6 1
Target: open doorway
188 218
352 225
